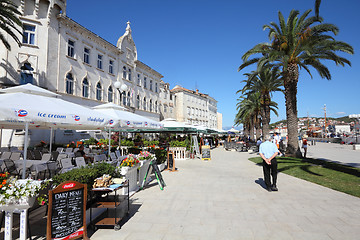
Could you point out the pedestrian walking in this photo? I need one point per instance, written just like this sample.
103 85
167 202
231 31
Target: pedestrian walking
268 152
304 144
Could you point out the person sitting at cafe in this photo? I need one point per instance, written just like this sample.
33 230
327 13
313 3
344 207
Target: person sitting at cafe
81 153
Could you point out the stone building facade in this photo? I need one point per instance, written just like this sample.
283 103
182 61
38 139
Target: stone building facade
64 57
195 108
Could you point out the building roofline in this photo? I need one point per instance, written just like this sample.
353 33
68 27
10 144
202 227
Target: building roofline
141 64
66 18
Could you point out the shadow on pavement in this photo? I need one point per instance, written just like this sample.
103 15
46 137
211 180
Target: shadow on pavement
261 182
325 163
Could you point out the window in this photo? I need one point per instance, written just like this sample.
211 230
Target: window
156 87
144 104
69 83
111 66
156 106
85 88
98 91
87 55
138 101
124 72
188 111
151 83
138 80
26 75
150 106
99 62
124 98
144 82
129 75
128 99
110 94
165 108
71 48
29 34
170 96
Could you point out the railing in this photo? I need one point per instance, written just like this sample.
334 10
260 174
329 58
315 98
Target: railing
179 153
124 150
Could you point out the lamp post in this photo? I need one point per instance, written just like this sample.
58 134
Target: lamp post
122 88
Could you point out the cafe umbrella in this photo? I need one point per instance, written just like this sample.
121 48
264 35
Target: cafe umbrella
28 106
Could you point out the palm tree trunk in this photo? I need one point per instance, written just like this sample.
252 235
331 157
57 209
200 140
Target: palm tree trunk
251 131
258 128
290 84
266 116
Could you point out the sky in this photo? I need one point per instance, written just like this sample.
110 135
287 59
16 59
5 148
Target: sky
198 44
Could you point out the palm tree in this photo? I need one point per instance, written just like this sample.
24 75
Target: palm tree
248 109
297 43
265 81
9 22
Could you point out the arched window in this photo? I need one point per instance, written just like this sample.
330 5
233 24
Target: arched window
128 99
129 75
156 106
124 72
69 83
98 91
150 106
26 75
144 104
85 88
138 101
110 94
123 95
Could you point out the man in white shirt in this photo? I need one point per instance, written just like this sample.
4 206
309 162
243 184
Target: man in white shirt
268 151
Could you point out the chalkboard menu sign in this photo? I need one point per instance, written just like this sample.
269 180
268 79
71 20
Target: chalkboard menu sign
67 211
205 152
171 163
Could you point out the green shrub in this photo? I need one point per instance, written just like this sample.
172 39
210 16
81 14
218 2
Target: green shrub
85 175
127 143
91 141
161 155
150 143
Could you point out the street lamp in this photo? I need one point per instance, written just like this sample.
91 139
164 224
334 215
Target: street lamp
122 88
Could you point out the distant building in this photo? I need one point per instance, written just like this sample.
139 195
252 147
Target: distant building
195 108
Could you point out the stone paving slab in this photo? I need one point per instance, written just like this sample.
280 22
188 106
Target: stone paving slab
224 199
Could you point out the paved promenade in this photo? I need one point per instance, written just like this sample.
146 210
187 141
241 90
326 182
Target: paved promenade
224 199
335 152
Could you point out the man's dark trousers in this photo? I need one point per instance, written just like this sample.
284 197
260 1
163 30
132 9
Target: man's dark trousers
270 168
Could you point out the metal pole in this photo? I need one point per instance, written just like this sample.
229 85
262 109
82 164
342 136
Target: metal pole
25 149
51 139
109 143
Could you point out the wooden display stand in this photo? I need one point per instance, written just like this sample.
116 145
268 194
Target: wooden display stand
171 162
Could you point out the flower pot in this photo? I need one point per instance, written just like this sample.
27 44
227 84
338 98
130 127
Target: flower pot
124 170
17 204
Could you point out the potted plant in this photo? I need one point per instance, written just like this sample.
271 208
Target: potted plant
18 193
127 163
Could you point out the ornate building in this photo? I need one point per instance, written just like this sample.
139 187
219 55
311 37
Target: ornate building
60 55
